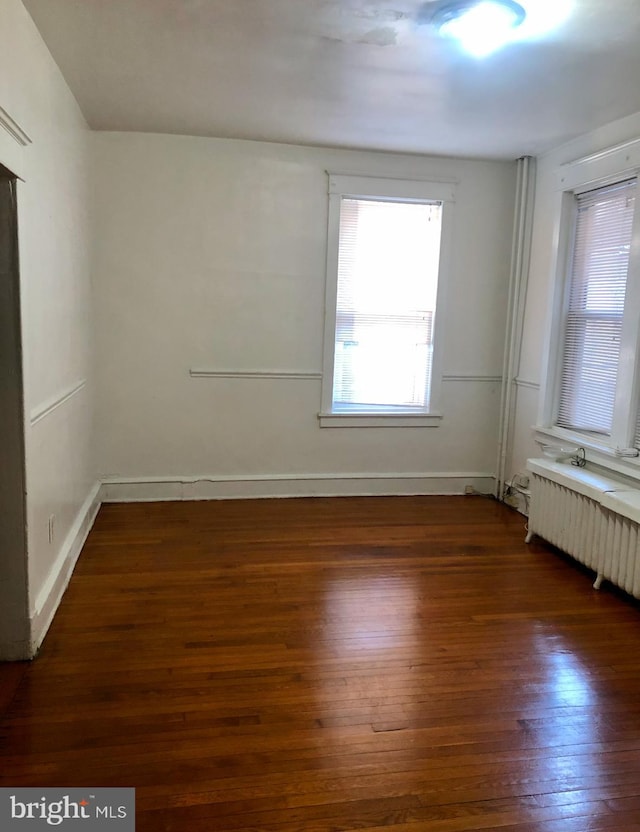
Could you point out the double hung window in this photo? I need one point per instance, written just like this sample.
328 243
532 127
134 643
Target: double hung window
595 394
385 265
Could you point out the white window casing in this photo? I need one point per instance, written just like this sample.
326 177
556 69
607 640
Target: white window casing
382 343
595 310
595 307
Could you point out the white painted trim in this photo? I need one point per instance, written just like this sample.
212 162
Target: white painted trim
414 177
561 246
48 599
625 149
404 190
330 303
609 166
13 129
529 385
380 420
213 487
41 411
600 454
269 374
614 164
443 292
422 190
471 377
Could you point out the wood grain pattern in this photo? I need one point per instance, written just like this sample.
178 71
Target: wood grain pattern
397 664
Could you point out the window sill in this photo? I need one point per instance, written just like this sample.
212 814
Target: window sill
379 420
598 453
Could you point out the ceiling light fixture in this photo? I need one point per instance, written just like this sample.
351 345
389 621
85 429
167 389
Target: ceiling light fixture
480 26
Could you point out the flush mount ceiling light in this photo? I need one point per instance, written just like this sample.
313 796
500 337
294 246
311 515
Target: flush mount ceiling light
480 26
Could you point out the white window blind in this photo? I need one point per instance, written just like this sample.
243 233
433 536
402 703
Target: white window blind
593 323
388 262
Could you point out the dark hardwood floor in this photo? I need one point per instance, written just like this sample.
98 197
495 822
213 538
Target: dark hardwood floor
396 664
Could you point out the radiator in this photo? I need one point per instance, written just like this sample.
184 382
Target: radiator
594 519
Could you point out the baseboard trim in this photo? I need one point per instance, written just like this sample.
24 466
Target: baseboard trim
49 597
211 487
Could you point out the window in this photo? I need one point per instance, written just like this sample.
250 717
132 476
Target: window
386 240
593 391
596 304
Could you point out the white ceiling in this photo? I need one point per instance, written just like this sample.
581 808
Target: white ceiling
346 73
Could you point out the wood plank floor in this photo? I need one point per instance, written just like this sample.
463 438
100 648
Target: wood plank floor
396 664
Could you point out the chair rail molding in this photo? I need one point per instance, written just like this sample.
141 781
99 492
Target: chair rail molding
302 375
471 377
47 407
13 129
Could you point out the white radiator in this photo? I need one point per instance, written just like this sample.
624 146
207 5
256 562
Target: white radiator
594 519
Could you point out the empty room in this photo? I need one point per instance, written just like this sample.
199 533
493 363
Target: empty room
320 409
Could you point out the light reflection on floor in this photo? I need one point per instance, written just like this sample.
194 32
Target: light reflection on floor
566 683
569 678
371 612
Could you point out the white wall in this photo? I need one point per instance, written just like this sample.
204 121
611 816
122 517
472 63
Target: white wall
540 287
50 152
211 254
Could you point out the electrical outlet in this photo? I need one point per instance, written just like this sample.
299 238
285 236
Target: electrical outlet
52 527
469 489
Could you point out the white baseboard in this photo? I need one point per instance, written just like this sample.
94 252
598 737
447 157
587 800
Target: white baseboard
213 487
49 597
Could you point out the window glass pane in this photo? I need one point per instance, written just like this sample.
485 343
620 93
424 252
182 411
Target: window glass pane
389 255
593 323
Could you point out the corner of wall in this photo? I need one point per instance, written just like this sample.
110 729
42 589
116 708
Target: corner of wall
48 599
